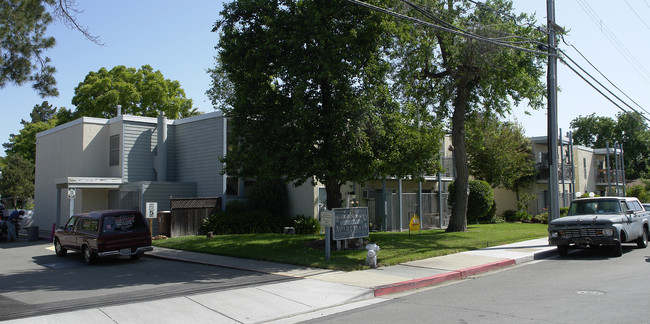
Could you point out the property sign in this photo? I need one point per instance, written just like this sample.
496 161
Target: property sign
326 218
351 223
152 210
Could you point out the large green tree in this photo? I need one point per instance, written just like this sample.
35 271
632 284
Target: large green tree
499 152
17 178
23 40
43 117
303 83
140 92
593 131
461 75
628 129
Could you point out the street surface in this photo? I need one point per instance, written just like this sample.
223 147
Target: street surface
34 281
587 286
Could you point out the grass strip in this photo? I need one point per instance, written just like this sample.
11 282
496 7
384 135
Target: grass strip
396 247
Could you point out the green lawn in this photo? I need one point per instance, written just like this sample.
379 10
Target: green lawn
307 250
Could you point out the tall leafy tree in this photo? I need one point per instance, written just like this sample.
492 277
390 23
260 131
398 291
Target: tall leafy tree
17 177
459 76
303 83
633 133
140 92
592 130
627 129
23 24
499 152
44 117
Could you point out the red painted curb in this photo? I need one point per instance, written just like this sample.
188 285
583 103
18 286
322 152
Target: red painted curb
486 267
428 281
415 283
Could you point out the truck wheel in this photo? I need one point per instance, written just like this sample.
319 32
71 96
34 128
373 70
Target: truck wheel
89 258
60 250
642 242
617 250
562 250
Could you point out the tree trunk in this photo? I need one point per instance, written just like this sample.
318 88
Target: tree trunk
334 197
458 219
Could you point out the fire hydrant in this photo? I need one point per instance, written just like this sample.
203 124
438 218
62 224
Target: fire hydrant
371 258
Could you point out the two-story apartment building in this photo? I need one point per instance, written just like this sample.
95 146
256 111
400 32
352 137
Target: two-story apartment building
126 161
580 170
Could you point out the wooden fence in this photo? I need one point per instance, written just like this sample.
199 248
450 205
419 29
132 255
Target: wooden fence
187 214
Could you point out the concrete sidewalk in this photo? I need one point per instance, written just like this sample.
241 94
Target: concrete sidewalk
315 292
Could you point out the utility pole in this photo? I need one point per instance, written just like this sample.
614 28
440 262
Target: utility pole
553 190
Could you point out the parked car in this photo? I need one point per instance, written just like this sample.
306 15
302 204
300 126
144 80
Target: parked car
601 221
104 233
646 206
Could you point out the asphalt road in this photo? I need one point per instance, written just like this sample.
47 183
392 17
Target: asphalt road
587 286
34 281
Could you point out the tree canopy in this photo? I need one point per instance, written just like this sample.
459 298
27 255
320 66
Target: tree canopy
304 85
499 152
17 177
43 117
627 129
23 24
458 75
140 92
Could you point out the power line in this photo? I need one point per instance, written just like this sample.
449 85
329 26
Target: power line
627 55
458 31
600 84
453 31
601 93
606 78
643 21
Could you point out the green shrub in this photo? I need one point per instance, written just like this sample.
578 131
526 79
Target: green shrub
270 196
540 218
509 215
480 200
306 225
512 215
238 218
523 216
564 211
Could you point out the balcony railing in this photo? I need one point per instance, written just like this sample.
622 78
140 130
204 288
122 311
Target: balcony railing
601 176
544 173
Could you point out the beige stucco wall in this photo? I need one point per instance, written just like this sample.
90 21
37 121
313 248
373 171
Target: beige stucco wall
76 149
303 200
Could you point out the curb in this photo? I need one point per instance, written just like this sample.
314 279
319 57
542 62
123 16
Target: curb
457 274
205 263
428 281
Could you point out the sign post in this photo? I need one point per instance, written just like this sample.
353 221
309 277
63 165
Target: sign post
327 221
72 194
151 212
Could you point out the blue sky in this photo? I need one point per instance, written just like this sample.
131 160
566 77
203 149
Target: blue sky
177 40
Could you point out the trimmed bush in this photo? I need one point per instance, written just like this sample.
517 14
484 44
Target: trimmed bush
238 218
270 196
480 201
306 225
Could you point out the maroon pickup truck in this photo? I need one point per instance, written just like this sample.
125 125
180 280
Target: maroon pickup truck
104 233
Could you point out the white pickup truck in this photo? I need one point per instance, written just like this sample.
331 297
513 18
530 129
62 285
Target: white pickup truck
601 221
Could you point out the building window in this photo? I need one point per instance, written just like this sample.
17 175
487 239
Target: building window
584 163
114 152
